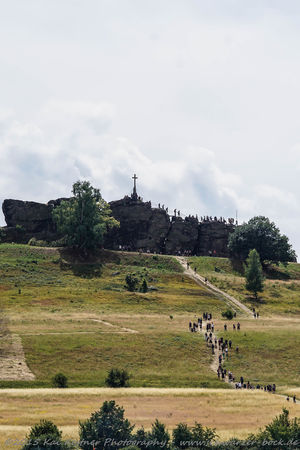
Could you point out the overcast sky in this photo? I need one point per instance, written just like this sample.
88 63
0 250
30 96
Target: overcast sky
200 98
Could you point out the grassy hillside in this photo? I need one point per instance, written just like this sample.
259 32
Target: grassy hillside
282 285
78 318
56 303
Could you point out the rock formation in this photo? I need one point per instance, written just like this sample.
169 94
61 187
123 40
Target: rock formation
29 219
141 227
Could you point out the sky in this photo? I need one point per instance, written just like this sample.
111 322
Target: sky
199 98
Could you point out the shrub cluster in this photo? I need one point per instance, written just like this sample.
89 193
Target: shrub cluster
228 314
108 428
132 284
117 378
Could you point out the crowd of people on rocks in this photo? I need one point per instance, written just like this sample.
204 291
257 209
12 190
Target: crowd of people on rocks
222 347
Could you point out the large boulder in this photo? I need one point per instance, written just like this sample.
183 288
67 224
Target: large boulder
29 219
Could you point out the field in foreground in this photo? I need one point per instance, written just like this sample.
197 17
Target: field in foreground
231 412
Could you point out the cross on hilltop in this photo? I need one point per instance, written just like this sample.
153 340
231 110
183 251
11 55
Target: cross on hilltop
134 195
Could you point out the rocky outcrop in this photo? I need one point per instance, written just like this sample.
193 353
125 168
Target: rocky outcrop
29 219
182 236
141 227
213 238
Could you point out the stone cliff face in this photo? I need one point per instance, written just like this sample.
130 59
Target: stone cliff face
213 238
141 228
29 219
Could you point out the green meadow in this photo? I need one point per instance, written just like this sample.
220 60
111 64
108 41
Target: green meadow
78 318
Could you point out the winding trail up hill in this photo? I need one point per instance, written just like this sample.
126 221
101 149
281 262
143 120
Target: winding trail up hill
201 281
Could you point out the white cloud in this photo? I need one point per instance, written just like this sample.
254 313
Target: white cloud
103 89
40 161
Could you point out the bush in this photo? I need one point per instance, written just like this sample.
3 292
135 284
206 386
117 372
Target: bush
60 380
158 434
144 287
47 431
131 282
117 378
37 243
181 434
228 314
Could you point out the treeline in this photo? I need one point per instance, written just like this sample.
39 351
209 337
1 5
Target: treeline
108 429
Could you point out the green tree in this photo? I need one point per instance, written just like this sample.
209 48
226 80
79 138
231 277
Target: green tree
182 436
158 436
265 237
285 431
254 273
45 435
85 218
144 287
131 282
60 380
117 378
105 428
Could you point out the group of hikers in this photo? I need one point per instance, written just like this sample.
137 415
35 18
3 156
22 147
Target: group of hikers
223 346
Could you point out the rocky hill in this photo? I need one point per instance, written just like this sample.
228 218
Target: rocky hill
142 227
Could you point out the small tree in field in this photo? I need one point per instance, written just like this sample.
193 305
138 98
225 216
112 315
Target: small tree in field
131 282
45 435
254 273
60 380
117 378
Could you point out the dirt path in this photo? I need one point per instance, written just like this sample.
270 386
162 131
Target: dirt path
209 286
122 329
215 362
12 363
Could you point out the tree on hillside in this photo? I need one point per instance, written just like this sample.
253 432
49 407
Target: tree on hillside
254 273
85 218
265 237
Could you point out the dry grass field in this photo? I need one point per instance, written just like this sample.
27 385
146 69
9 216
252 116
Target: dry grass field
231 412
